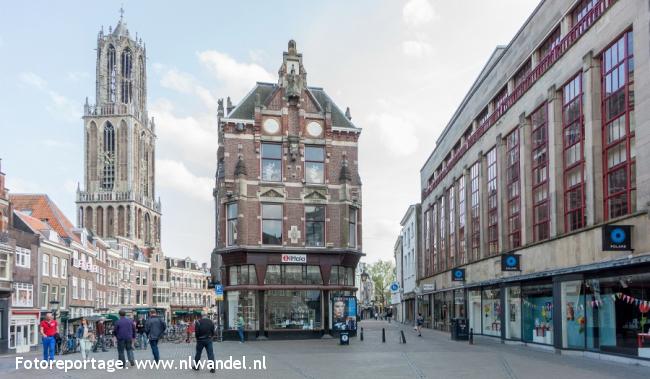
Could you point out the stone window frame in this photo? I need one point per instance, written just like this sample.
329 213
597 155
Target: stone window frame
572 94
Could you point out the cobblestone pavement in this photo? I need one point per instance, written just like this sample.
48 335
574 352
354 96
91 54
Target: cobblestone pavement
431 356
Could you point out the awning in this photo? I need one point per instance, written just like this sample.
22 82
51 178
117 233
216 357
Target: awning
181 313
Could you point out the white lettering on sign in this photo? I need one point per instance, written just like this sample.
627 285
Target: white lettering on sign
294 258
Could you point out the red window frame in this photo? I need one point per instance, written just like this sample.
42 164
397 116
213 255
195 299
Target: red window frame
540 185
513 189
573 154
523 72
550 42
581 10
442 245
451 197
492 202
434 240
617 63
427 242
476 210
462 221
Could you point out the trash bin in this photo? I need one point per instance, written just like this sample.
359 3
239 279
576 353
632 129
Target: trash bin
459 330
344 338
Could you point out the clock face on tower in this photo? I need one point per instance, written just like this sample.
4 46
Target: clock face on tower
271 126
314 129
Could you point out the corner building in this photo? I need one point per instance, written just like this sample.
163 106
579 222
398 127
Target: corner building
548 152
288 206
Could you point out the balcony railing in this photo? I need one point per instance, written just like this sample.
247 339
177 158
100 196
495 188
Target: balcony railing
117 109
542 67
83 196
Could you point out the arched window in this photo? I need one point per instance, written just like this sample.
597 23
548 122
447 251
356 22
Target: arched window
108 157
142 91
112 73
147 228
127 66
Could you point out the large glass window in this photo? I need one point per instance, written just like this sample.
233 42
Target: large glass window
474 310
293 310
315 225
23 331
491 311
427 242
619 154
242 275
4 266
242 303
293 274
352 227
462 221
573 315
46 265
23 295
573 160
513 189
271 162
315 164
459 304
493 203
231 224
341 275
442 226
541 203
617 310
550 43
452 225
513 313
23 257
272 224
434 239
475 210
537 313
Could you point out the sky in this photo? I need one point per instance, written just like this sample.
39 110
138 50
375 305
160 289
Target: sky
402 67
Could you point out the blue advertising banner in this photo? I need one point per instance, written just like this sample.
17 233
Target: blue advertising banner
344 313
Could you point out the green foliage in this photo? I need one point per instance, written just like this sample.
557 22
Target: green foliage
382 274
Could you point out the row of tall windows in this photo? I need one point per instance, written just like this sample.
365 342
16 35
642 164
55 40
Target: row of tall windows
271 164
443 224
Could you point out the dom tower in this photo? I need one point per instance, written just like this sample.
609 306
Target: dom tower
118 198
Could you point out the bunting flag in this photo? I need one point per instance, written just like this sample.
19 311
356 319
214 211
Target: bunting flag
644 305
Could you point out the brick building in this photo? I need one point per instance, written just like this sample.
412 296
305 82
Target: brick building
7 248
541 172
288 205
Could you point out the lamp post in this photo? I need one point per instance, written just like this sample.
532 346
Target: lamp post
54 306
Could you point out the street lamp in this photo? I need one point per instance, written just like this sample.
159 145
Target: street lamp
54 306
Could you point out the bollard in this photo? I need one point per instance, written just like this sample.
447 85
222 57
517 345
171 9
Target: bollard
471 336
361 335
383 335
403 337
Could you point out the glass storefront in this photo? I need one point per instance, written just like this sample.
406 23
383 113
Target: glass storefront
573 314
474 310
513 313
242 303
424 308
459 304
537 313
293 310
491 311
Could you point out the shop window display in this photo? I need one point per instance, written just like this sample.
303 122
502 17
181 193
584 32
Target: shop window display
474 310
242 302
513 313
617 311
537 313
293 274
293 310
459 304
491 311
573 315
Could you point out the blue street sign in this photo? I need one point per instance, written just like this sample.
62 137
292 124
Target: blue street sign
394 287
218 289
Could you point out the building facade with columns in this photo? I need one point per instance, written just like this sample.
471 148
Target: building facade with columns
535 199
288 206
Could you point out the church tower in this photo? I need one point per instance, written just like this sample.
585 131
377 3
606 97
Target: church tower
118 198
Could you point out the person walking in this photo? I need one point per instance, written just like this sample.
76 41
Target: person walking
154 329
49 328
389 314
101 330
240 327
190 331
124 332
203 331
419 321
142 337
83 336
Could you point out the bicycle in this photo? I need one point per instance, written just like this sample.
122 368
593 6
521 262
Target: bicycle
69 344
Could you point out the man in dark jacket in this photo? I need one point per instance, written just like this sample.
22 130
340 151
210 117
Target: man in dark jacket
154 327
204 331
124 331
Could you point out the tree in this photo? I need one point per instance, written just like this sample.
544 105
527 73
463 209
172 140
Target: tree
382 274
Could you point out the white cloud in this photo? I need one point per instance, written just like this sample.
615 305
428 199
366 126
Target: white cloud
78 76
237 77
70 186
185 83
175 176
16 184
416 49
60 105
397 132
417 12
